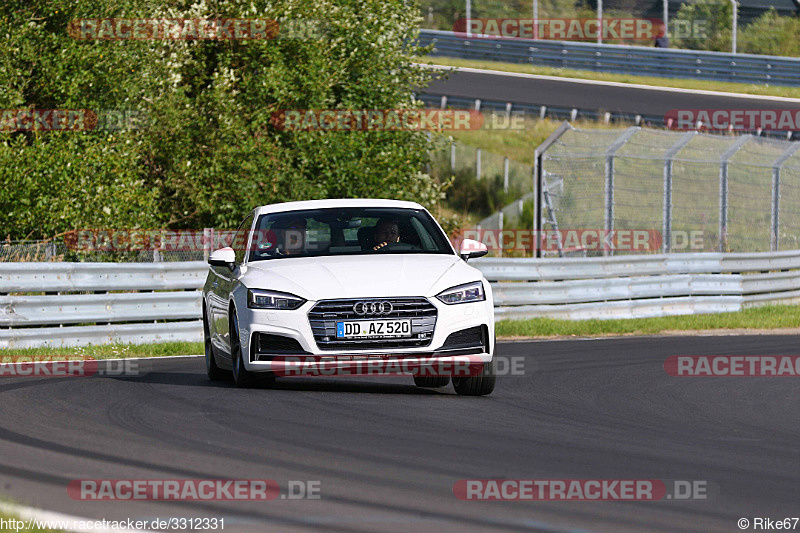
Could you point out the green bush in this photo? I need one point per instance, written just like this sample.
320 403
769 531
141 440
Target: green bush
771 34
209 151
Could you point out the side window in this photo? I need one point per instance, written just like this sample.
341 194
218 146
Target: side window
239 243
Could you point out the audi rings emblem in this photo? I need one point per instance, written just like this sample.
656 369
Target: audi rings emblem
372 308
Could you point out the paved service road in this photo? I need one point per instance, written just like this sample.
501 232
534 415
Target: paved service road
387 454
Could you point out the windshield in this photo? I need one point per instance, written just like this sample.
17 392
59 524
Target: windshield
347 231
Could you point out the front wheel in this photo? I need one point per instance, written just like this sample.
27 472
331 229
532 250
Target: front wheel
242 377
214 372
481 384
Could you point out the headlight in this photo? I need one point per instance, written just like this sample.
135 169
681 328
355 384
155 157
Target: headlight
258 299
470 292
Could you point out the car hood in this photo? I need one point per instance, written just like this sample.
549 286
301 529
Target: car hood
321 278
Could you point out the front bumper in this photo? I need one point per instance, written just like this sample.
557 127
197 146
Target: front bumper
295 325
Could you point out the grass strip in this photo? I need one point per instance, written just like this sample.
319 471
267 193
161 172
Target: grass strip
113 351
756 318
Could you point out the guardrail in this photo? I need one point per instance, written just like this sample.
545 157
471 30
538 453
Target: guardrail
573 288
641 286
90 294
621 59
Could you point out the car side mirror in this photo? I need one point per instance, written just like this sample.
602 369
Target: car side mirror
224 257
471 248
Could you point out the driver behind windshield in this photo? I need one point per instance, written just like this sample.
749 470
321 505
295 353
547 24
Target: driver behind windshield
292 235
387 231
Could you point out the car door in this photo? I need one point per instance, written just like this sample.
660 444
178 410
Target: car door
225 281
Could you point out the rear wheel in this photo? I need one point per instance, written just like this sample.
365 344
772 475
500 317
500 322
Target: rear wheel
242 377
431 381
214 372
478 385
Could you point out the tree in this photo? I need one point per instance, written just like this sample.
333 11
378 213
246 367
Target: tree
208 151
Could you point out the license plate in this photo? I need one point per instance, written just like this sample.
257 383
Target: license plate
375 329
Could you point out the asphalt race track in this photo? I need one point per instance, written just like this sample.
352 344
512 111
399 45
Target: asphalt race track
388 454
581 95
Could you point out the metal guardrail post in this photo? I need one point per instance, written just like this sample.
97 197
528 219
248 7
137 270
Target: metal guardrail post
735 24
536 204
538 183
505 175
500 232
776 194
666 233
609 175
723 189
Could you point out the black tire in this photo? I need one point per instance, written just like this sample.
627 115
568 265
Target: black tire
214 372
242 377
430 382
479 385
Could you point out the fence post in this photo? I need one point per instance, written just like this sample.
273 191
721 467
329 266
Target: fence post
776 194
208 236
452 156
538 183
723 190
666 233
618 143
505 175
478 164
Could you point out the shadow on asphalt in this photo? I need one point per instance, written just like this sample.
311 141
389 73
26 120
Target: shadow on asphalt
322 384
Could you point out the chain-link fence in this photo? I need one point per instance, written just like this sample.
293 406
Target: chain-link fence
702 192
128 245
490 191
604 189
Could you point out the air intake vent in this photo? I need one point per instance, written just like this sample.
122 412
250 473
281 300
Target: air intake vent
267 346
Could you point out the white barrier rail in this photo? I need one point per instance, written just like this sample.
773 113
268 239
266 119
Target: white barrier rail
161 301
641 286
82 308
80 293
74 277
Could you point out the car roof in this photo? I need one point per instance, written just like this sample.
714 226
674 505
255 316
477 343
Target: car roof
340 202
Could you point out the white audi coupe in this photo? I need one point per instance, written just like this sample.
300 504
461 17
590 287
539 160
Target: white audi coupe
333 281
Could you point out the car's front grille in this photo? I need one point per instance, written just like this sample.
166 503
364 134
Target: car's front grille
324 316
